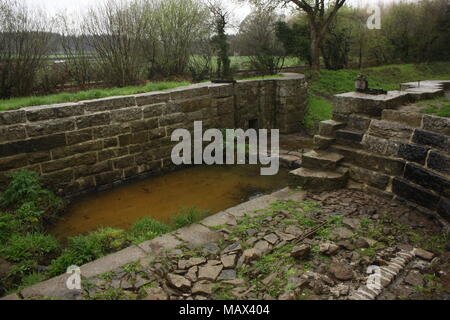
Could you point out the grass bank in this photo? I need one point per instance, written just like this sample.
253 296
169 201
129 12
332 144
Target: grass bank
388 77
16 103
21 102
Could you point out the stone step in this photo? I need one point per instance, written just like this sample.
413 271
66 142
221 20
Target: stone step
352 138
323 160
322 143
318 180
412 119
328 128
359 122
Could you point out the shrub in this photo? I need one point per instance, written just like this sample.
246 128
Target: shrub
188 216
147 229
25 187
84 248
30 247
29 217
8 225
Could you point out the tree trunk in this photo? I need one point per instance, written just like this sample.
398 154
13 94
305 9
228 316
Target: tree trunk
315 49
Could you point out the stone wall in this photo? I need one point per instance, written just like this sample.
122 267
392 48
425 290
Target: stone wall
94 145
400 154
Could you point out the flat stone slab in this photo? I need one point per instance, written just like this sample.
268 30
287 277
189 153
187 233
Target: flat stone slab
290 194
198 235
11 297
112 261
55 288
251 206
160 244
218 219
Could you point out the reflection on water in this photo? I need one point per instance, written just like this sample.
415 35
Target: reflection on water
212 188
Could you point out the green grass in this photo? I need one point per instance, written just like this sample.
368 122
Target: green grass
389 77
319 109
16 103
438 106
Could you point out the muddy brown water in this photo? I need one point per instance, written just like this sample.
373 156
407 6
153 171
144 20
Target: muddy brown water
212 188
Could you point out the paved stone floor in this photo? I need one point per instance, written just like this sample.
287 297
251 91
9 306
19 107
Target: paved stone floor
297 245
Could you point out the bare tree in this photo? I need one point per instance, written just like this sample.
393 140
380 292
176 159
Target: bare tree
74 42
116 31
179 23
258 39
24 42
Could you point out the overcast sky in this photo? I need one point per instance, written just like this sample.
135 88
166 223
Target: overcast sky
74 6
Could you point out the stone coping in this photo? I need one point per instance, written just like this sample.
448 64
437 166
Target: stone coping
196 234
203 85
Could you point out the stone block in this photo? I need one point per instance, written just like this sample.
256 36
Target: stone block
198 235
126 115
13 162
55 111
439 162
328 128
76 149
160 244
77 160
54 288
79 136
390 130
440 125
154 110
93 120
413 152
32 145
112 261
444 208
151 98
49 127
108 104
12 117
431 139
427 179
370 177
414 193
147 124
12 133
124 162
358 122
411 119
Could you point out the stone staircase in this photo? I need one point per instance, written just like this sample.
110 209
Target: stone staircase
321 170
384 149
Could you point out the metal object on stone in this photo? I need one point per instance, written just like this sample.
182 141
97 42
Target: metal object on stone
362 85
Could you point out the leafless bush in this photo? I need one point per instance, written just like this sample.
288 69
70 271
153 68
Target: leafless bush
24 42
257 38
78 55
178 25
116 31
